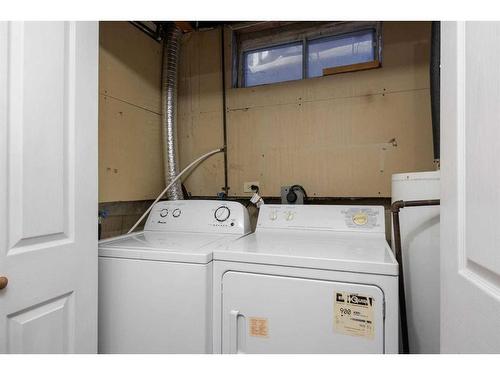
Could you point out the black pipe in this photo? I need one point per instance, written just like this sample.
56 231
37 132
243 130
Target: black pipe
434 74
155 34
224 122
395 208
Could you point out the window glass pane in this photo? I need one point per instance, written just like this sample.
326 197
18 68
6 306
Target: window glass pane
340 50
273 64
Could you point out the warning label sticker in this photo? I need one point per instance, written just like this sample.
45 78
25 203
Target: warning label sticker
258 327
354 314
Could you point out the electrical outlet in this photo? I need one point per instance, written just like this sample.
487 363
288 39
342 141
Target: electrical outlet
247 186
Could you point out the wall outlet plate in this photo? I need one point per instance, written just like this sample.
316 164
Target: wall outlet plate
247 188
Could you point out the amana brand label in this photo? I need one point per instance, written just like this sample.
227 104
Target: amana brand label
258 327
353 314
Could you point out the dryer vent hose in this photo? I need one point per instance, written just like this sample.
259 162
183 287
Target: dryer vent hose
201 158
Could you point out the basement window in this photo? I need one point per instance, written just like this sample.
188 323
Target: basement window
305 50
273 64
341 50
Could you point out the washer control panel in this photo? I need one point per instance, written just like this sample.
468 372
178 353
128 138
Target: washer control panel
322 217
199 216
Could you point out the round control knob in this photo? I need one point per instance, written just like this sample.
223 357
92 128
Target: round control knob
164 212
176 213
222 213
273 215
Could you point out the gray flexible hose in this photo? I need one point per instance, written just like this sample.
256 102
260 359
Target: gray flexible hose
203 157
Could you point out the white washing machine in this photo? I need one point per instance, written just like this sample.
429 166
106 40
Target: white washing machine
311 279
155 286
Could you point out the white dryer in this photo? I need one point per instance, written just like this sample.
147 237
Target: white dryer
155 286
311 279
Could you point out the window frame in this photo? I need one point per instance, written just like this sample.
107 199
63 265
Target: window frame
299 33
286 44
336 37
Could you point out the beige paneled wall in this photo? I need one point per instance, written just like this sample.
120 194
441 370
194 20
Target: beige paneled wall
342 135
200 110
130 155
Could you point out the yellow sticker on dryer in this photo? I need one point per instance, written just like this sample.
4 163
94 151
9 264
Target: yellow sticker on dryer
258 327
353 314
360 219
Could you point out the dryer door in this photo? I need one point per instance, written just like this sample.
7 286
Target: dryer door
278 314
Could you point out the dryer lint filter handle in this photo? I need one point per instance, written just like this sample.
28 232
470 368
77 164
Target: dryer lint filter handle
367 219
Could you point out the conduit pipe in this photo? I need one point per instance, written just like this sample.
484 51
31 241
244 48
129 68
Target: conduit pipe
434 70
171 47
395 208
225 188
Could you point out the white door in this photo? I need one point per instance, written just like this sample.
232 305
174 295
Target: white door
470 190
278 314
48 187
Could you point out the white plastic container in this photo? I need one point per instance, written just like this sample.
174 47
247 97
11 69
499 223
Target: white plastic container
420 247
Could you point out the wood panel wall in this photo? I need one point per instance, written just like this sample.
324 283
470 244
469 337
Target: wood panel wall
130 154
338 136
200 110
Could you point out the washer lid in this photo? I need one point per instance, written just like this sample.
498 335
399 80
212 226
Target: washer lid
166 246
360 252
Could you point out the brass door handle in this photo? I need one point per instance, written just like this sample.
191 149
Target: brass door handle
3 282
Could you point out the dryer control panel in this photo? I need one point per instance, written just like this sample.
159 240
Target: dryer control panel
322 217
215 216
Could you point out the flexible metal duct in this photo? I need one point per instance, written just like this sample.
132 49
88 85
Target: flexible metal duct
171 46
